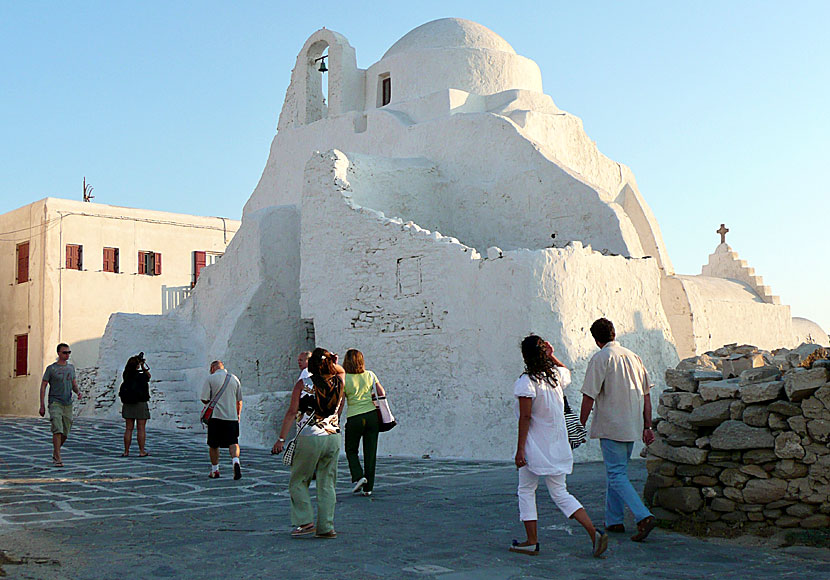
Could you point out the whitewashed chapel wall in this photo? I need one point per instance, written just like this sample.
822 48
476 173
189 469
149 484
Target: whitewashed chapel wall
441 325
726 311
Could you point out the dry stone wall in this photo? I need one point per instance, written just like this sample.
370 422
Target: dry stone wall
743 440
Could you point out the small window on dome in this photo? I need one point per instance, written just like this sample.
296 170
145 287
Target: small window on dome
384 89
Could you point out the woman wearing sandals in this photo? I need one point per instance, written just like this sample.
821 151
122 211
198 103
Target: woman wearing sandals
135 393
361 420
543 449
318 445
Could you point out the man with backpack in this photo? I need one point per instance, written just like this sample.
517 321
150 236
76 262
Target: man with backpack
223 394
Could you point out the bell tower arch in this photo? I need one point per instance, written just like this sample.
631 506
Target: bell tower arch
305 102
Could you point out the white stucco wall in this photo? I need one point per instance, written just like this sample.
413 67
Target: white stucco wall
441 325
726 311
808 331
244 311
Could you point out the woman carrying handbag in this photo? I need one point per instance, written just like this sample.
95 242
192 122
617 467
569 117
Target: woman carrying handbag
317 445
362 421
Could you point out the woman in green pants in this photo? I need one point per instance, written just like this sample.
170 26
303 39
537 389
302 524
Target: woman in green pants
315 404
361 420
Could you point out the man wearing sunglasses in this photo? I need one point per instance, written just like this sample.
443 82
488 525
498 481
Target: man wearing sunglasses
60 376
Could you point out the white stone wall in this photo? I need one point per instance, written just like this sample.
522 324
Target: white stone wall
726 311
441 325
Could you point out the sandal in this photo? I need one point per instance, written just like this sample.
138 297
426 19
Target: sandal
125 455
57 462
302 531
145 454
326 535
644 527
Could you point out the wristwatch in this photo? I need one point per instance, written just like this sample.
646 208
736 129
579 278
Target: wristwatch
281 439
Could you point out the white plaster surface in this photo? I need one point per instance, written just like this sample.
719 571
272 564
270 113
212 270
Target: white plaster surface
808 331
441 325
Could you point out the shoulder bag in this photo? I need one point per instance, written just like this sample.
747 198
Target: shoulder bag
577 434
385 418
288 453
207 412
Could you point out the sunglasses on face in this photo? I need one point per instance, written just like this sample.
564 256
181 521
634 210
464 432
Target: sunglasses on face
65 352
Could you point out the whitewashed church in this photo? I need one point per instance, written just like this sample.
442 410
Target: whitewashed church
410 213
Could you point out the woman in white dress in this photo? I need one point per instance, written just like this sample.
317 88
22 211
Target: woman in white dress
543 449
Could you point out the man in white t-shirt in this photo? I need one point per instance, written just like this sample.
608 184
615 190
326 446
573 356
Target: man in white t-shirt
617 388
223 427
302 362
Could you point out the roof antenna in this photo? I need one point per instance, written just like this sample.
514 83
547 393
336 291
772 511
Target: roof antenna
88 197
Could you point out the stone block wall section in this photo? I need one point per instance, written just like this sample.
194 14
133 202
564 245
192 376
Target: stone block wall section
743 441
724 263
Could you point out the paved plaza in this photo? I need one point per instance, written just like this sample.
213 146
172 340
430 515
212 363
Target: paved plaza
103 516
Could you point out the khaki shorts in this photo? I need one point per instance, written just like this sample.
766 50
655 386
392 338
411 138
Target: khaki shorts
60 416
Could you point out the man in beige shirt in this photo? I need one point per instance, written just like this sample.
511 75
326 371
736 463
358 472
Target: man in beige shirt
617 387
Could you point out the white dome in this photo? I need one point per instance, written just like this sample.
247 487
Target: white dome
450 33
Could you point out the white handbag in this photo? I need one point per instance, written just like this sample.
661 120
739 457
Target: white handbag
385 417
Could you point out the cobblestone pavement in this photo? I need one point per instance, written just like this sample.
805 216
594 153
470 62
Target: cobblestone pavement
103 516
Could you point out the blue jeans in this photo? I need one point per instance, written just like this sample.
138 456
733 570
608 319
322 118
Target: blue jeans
619 492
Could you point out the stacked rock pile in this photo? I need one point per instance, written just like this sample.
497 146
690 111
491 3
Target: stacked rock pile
742 440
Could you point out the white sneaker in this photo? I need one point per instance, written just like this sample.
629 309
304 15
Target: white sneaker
358 484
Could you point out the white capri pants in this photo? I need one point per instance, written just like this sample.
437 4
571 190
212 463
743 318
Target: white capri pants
528 481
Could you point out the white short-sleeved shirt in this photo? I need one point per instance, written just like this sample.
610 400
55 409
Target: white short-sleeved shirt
225 408
547 450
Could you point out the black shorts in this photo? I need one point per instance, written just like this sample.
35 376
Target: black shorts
222 433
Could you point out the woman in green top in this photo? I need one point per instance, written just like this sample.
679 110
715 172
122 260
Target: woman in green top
361 420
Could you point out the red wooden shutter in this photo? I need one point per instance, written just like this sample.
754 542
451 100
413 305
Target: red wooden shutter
157 264
21 348
111 260
23 263
141 269
199 262
74 256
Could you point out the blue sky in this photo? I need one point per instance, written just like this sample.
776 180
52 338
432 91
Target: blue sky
720 108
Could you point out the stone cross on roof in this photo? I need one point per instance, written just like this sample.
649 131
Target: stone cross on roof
722 231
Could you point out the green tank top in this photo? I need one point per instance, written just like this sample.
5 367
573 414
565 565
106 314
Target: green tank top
358 390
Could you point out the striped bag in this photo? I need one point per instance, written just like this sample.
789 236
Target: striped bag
577 434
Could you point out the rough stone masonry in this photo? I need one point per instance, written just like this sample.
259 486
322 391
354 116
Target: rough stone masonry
742 440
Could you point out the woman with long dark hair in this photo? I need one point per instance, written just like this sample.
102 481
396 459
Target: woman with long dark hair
135 394
543 449
315 405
